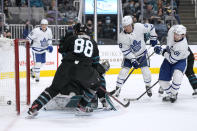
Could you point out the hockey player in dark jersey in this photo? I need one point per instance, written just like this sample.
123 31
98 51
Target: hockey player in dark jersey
101 69
190 72
77 66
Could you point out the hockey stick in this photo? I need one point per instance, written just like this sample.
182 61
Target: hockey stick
135 99
124 105
112 92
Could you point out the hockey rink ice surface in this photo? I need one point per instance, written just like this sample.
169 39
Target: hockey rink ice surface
146 114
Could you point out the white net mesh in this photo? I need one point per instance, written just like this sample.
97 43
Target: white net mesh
7 72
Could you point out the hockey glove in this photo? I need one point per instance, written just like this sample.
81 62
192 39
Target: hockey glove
50 49
135 64
106 65
158 50
153 42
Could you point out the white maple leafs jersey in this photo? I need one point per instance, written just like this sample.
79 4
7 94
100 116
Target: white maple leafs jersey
41 39
176 50
133 45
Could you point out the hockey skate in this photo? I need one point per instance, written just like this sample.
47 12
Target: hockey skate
172 98
166 98
37 79
195 92
149 92
105 104
83 110
32 74
116 92
160 91
32 113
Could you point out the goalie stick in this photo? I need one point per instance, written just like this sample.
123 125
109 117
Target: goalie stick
108 93
135 99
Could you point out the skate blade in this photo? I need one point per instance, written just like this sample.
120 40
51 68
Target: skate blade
30 117
130 99
83 114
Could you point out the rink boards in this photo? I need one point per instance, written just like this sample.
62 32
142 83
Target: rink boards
110 52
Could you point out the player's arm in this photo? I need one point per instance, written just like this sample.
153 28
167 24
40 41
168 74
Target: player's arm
96 60
125 47
174 56
63 42
50 47
64 45
31 36
149 28
50 37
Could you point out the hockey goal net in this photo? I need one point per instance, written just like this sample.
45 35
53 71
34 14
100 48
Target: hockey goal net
14 73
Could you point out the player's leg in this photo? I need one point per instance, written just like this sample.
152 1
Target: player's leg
60 80
165 86
39 59
88 80
102 96
42 100
165 78
147 79
126 66
177 72
176 82
144 65
191 75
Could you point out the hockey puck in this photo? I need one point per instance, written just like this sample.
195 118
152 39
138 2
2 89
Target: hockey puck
9 102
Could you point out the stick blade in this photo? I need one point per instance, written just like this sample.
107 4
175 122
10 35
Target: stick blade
127 105
130 99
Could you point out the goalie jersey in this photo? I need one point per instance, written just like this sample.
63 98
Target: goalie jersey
40 40
133 45
176 51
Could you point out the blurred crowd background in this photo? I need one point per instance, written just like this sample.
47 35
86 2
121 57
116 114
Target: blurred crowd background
162 13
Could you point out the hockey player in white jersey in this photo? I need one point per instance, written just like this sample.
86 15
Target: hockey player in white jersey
132 44
175 61
41 41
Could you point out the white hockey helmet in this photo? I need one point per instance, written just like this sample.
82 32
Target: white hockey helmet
127 20
44 22
180 29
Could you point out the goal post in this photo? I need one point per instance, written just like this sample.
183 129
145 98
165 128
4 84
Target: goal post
18 42
14 73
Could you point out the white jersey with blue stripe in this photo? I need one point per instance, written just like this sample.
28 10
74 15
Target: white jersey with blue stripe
176 50
140 29
133 45
41 39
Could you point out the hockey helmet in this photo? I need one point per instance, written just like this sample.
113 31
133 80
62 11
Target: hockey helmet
44 22
80 28
127 20
180 29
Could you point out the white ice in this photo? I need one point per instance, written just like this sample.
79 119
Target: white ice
146 114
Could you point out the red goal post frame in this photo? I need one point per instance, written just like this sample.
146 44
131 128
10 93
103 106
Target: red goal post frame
17 72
